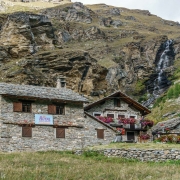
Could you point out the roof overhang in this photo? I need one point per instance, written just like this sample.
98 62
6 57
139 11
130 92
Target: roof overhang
40 98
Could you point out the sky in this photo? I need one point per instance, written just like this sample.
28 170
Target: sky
166 9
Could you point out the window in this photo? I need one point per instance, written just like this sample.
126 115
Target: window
117 102
100 133
26 107
60 132
26 131
110 115
56 109
96 114
132 117
23 106
59 109
121 116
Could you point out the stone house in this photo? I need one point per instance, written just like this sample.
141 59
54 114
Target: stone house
171 126
34 118
121 108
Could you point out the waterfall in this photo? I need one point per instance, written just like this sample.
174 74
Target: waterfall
161 81
158 83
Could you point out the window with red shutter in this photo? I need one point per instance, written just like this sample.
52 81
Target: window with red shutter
100 133
17 106
60 132
26 131
51 109
56 109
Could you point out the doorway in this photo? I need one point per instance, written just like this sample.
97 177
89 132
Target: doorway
130 136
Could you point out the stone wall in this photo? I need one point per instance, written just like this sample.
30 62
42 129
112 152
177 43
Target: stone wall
142 154
44 137
109 104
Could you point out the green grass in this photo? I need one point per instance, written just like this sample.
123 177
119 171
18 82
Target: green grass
64 166
138 146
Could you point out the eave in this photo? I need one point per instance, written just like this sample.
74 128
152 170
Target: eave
32 98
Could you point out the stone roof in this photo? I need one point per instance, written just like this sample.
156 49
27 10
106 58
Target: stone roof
171 124
40 92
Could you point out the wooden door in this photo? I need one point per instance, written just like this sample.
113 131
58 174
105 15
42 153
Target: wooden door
130 136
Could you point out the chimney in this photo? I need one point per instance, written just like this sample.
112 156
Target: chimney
61 82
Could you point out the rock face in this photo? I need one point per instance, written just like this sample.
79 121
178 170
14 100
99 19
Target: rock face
76 12
82 71
99 48
23 34
107 22
2 6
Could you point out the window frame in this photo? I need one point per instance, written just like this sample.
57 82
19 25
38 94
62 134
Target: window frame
59 109
97 113
133 116
27 105
110 114
22 106
121 116
52 109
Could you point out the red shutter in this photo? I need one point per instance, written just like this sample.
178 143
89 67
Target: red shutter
26 131
17 106
51 109
100 133
60 132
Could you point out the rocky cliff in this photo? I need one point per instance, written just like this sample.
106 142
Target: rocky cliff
99 48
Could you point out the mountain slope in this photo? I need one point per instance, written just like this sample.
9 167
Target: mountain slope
99 48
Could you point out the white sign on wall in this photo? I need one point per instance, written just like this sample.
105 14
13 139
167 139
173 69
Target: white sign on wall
44 119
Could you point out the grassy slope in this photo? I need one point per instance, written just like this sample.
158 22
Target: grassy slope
165 105
63 166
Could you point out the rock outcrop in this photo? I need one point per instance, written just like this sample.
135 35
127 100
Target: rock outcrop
99 48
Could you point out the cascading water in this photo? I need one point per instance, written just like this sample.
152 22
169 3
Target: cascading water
160 82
